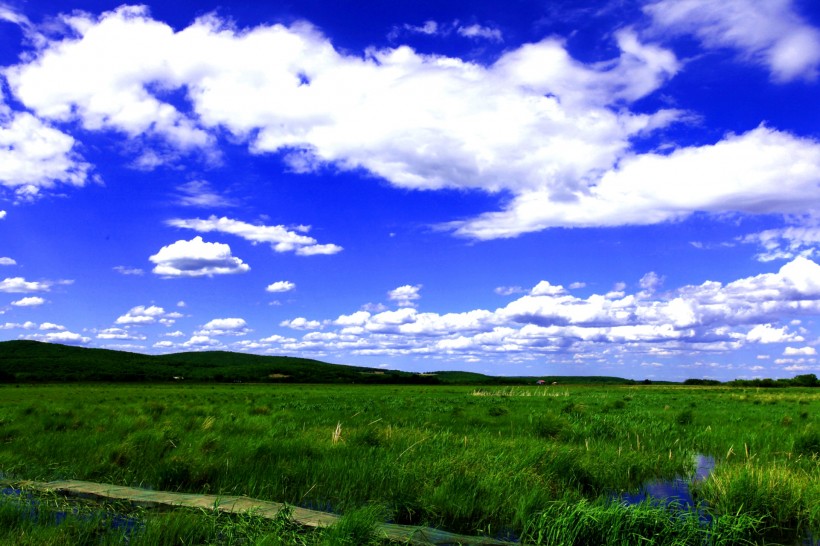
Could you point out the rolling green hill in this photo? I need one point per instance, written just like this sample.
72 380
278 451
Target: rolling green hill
33 361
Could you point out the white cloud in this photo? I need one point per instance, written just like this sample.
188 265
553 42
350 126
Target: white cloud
280 238
119 333
429 28
278 339
36 157
19 285
126 270
766 333
51 326
544 288
771 33
94 87
800 368
2 214
708 318
785 243
224 327
148 315
280 286
508 290
476 31
651 281
551 135
434 28
196 258
301 323
201 342
31 301
198 193
28 325
534 120
405 296
763 171
63 337
9 14
801 351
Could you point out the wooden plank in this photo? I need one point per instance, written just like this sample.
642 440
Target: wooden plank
424 536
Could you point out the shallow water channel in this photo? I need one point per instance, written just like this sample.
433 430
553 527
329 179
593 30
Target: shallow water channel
677 491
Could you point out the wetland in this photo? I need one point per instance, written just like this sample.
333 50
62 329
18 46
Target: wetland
535 464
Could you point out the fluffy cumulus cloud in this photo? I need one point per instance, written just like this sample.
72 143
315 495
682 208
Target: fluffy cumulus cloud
152 314
762 171
7 261
63 338
799 351
94 89
196 258
280 238
201 343
280 286
28 325
710 317
405 296
35 156
19 285
50 326
766 333
551 135
30 301
224 327
535 119
301 323
771 33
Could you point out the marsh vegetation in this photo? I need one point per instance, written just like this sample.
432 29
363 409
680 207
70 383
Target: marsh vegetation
538 464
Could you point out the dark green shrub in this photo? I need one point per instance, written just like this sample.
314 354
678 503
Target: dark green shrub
807 443
498 411
686 417
548 426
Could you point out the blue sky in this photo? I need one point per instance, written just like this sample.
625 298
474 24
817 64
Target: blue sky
534 188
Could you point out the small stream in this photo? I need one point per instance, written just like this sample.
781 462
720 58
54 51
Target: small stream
36 511
675 491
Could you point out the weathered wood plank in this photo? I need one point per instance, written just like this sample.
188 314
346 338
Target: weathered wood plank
238 504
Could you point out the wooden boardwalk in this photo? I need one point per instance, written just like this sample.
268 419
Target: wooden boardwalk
267 509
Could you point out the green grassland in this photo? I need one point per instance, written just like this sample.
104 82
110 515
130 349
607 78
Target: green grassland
540 462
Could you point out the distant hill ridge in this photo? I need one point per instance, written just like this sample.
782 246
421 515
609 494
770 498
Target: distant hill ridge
34 361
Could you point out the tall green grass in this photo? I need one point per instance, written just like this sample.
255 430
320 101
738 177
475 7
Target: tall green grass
439 456
581 523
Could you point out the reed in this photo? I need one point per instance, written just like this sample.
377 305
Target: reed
439 456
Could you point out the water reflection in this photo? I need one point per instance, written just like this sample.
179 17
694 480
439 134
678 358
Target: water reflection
677 491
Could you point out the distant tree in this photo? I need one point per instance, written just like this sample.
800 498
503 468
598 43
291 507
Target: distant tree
701 382
806 380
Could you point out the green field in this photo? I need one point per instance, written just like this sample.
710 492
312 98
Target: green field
537 463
